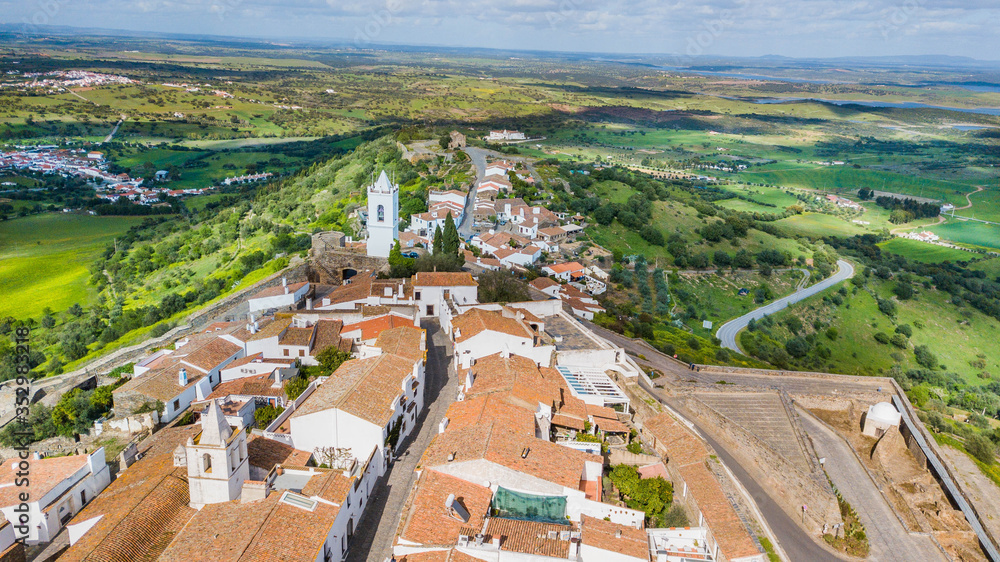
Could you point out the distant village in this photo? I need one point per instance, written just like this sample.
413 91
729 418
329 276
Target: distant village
63 79
91 166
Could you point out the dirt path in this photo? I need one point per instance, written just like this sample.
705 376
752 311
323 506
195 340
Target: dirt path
968 198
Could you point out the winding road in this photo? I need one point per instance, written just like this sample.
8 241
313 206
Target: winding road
727 332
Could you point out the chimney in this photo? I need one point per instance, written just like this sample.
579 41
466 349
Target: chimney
182 377
618 533
309 304
286 288
284 282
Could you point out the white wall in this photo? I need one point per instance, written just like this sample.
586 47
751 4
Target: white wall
594 554
489 342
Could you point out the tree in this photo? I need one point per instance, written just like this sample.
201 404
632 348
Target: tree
743 259
445 141
502 286
264 415
797 347
903 290
925 357
981 448
331 358
399 265
651 495
438 247
296 387
721 258
652 235
451 241
887 307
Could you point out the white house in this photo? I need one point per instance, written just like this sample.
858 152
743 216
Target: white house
452 196
547 286
177 378
564 271
880 418
425 224
383 216
366 404
499 168
478 332
606 541
282 296
524 256
432 290
54 490
505 135
252 366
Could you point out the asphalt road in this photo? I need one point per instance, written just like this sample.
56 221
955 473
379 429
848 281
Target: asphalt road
727 332
796 543
889 541
478 156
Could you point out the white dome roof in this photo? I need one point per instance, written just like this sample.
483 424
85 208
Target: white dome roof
884 412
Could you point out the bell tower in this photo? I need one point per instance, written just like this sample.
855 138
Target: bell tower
383 216
216 460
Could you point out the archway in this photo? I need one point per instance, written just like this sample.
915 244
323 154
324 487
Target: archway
347 273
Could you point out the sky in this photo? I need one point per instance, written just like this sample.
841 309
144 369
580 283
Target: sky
794 28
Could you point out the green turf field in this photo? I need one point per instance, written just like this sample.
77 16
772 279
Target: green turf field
969 232
816 225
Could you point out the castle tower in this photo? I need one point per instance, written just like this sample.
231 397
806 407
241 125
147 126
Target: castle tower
216 460
383 216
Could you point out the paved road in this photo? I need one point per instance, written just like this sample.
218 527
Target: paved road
889 540
377 528
727 332
478 156
114 131
796 543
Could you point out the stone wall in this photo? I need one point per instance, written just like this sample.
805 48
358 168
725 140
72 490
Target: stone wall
621 456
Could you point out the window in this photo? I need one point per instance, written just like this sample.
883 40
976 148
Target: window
83 497
381 213
177 405
206 463
302 353
416 295
430 310
286 353
447 294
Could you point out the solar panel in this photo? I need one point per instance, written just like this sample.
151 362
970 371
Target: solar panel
298 501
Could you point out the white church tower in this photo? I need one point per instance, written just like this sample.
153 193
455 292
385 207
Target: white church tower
383 216
216 460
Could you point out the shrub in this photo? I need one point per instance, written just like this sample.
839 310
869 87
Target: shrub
981 448
900 341
832 333
904 329
882 337
925 357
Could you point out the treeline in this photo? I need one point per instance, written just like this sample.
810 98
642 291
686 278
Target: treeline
911 207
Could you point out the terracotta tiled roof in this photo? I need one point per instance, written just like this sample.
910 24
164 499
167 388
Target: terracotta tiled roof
255 531
206 354
142 510
563 420
160 383
542 283
331 485
528 537
602 534
358 289
297 336
45 475
444 279
265 453
270 329
372 327
487 408
477 320
517 375
429 522
689 454
327 334
279 290
565 267
499 444
257 385
406 341
366 388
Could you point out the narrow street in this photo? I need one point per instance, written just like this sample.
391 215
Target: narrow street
377 528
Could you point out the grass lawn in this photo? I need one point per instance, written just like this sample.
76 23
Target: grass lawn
767 195
816 225
969 232
44 260
923 252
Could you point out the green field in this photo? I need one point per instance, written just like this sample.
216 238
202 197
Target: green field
816 225
716 296
969 232
766 195
923 252
44 259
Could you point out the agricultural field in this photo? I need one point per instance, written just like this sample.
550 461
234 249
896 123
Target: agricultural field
914 250
44 260
816 225
971 233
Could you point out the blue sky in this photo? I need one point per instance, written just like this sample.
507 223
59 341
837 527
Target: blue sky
799 28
